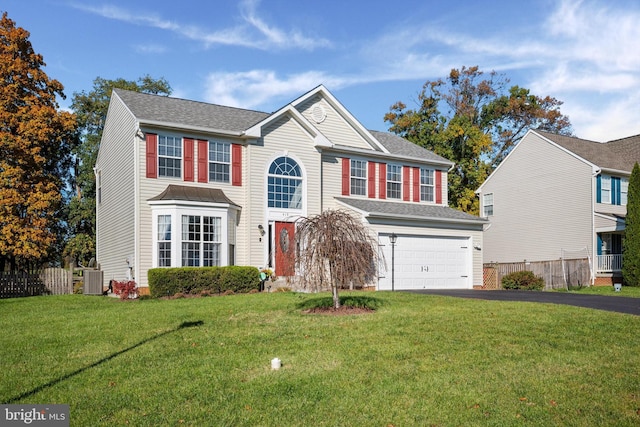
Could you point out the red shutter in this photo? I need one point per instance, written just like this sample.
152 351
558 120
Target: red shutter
382 181
346 176
152 155
188 159
406 171
438 187
416 184
372 179
236 164
203 161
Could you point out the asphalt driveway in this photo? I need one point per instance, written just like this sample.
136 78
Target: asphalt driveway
598 302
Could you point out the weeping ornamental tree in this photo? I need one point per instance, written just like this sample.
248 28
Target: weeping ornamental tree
336 250
631 257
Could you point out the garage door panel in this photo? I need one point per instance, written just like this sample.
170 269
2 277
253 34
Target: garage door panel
427 262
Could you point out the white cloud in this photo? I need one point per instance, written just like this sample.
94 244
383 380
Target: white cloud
254 32
261 88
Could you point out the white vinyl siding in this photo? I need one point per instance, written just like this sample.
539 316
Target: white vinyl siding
543 203
334 127
116 218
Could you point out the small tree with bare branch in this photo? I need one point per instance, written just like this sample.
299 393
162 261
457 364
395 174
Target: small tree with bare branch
335 249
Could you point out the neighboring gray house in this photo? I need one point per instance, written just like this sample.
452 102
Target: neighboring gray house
184 183
555 196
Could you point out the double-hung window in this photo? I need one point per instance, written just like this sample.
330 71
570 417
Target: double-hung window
169 156
359 177
605 189
201 239
427 185
394 181
624 190
487 204
219 161
164 240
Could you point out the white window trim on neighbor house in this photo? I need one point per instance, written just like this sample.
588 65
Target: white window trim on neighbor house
487 205
176 212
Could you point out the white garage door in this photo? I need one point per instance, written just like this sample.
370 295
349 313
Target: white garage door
427 263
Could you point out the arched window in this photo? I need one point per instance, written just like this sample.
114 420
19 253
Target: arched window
285 184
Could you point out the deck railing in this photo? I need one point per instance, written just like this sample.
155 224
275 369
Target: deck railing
609 263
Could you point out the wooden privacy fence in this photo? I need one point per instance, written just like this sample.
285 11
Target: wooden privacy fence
557 274
48 281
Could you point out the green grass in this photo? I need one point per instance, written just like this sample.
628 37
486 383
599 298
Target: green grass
418 360
626 291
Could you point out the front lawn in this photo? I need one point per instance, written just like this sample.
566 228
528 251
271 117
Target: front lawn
418 360
625 291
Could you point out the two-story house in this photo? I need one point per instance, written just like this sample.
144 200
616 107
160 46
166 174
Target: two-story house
184 183
556 195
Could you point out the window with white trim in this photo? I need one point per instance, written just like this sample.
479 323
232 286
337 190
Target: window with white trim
487 204
164 240
605 189
284 184
358 177
169 156
624 190
427 185
219 161
201 239
394 181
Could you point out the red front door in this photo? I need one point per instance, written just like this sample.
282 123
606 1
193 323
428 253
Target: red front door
285 248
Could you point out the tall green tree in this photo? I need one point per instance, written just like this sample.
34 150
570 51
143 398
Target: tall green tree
631 245
36 140
91 110
474 120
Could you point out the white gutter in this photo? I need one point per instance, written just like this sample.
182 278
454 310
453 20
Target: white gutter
377 154
181 126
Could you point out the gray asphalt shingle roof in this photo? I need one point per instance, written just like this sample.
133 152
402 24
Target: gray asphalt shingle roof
156 108
189 113
193 194
620 154
409 210
398 145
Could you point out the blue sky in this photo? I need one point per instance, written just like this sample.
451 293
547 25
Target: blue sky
369 54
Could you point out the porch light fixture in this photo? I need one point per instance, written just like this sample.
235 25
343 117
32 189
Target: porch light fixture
393 238
261 229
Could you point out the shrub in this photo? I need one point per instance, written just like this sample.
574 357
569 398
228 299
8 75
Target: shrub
522 280
125 289
196 280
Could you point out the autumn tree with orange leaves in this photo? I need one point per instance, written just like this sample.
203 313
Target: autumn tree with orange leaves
35 152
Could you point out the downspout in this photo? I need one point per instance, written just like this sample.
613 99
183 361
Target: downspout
136 204
594 239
